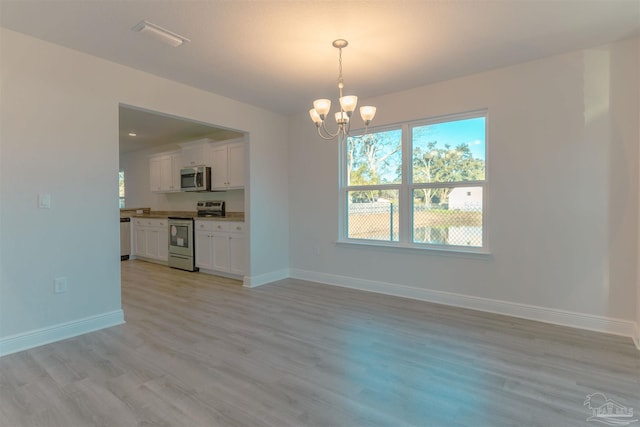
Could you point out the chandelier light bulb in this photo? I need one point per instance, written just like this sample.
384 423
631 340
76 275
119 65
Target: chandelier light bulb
348 104
315 117
322 106
342 117
367 113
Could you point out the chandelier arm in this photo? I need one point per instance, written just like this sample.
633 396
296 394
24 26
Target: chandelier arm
328 138
324 127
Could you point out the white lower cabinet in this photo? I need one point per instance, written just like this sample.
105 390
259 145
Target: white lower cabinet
204 249
220 246
151 238
220 242
237 254
163 242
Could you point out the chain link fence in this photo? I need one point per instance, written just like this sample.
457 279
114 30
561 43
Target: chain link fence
455 219
372 219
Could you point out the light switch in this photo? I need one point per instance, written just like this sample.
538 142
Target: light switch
60 285
44 201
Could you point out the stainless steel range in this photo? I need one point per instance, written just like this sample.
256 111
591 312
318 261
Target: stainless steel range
182 243
211 208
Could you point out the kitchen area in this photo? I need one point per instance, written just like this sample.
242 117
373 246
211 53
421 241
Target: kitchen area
182 194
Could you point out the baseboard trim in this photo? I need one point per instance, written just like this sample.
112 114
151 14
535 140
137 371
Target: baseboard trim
263 279
38 337
524 311
221 274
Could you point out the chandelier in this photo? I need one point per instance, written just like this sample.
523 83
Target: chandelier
348 104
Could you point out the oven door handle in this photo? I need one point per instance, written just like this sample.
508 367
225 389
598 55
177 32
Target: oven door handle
179 256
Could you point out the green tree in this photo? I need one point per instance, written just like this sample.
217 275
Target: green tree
374 159
444 164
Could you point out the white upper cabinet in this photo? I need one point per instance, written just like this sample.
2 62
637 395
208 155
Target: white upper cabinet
226 159
164 172
194 152
176 165
193 155
218 160
155 174
235 169
227 165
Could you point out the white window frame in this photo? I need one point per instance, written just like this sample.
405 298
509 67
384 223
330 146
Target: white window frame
405 188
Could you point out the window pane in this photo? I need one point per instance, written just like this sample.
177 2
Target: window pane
449 152
375 158
121 188
373 215
448 216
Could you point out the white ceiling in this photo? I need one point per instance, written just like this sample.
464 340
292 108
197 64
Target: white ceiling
278 54
156 129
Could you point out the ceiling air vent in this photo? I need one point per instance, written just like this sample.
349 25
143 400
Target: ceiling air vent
159 33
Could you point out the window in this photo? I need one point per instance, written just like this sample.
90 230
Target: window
121 191
374 174
420 184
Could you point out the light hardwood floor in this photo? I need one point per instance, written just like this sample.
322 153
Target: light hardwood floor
199 350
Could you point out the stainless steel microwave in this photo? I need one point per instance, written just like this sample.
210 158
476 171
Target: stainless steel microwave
195 178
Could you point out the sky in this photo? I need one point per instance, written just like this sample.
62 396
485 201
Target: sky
468 131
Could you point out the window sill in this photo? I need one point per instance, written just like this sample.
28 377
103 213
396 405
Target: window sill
431 250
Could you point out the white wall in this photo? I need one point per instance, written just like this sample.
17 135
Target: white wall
637 337
137 194
562 208
59 135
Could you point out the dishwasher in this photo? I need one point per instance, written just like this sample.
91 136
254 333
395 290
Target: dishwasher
125 238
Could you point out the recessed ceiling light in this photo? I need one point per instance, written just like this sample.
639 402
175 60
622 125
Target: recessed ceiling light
133 134
159 33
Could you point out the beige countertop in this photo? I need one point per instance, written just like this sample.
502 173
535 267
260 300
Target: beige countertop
129 212
230 216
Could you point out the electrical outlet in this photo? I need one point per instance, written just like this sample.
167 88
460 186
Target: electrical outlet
60 285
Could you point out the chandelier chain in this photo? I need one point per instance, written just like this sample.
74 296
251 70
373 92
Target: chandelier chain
340 65
340 81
